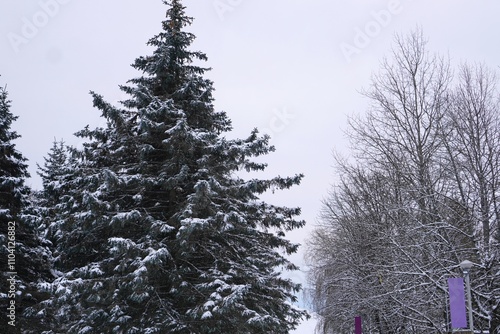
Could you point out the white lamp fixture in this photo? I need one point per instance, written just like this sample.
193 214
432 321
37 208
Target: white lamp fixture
466 267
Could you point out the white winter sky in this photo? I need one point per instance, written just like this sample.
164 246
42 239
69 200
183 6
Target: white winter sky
277 65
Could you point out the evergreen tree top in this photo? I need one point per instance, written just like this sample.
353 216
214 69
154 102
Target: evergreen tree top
172 46
170 66
12 162
6 117
171 79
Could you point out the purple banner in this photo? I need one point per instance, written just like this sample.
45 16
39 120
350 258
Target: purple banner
357 325
457 302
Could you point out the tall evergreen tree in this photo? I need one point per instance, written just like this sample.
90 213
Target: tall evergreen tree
163 235
25 258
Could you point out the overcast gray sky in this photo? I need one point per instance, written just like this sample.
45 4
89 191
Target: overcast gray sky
292 68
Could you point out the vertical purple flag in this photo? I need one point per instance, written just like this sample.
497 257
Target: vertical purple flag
357 325
457 303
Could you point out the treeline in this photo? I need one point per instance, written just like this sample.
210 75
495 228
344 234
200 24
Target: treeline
418 194
149 226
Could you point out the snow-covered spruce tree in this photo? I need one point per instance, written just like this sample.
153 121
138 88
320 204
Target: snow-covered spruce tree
164 236
56 173
19 240
53 172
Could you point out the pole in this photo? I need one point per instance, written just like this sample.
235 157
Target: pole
469 300
448 319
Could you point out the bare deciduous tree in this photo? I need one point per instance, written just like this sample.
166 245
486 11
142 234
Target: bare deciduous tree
420 196
473 146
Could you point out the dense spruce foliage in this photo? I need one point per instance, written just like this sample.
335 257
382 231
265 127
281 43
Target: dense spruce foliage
25 254
418 195
153 228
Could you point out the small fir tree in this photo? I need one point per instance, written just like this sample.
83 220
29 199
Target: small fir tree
53 173
56 174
